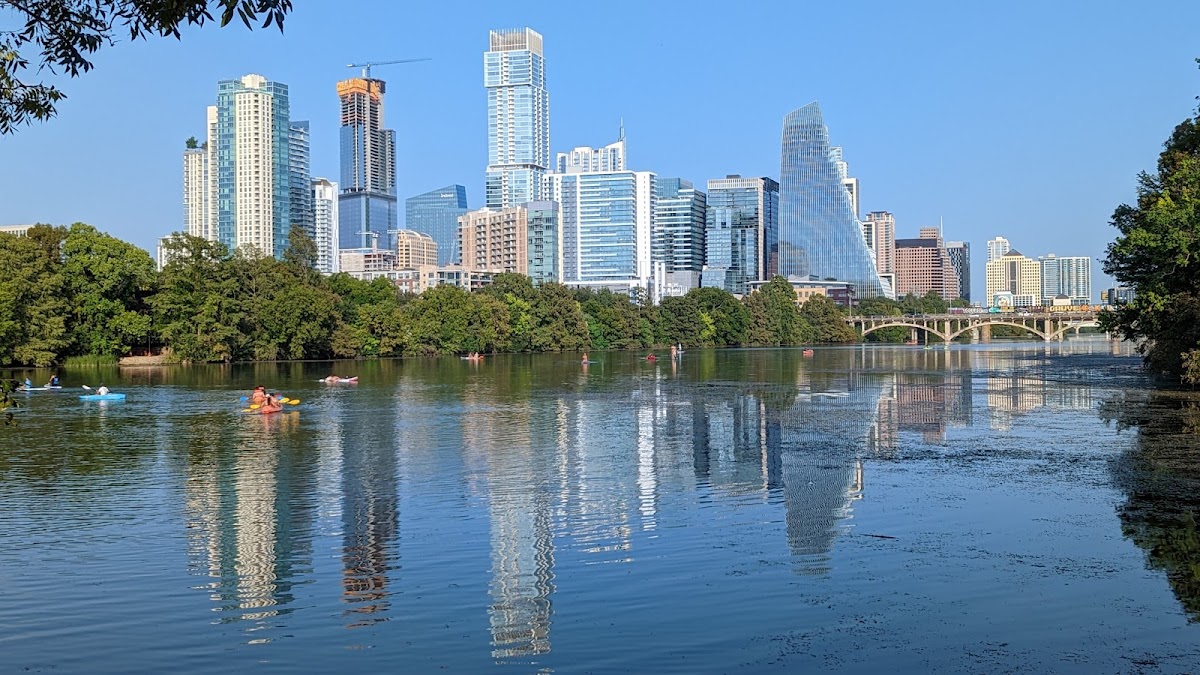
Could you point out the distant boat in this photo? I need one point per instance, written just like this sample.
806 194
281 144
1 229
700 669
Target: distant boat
808 352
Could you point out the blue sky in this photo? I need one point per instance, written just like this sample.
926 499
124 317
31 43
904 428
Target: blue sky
1023 119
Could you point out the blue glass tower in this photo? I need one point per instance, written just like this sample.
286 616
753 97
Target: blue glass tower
367 209
300 195
514 75
819 233
436 213
741 232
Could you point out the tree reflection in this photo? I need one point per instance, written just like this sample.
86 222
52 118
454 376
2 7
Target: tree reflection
1160 476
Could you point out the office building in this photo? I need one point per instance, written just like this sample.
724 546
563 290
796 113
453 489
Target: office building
997 248
960 259
679 222
415 249
300 195
518 118
325 224
819 233
545 244
367 205
1119 295
879 231
741 232
923 265
1014 277
607 219
1069 276
253 177
849 182
436 213
495 240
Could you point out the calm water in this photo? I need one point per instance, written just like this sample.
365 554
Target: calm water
867 509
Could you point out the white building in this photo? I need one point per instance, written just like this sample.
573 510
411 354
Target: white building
997 248
1070 276
325 228
591 160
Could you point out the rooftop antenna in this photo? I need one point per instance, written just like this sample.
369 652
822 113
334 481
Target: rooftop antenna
366 67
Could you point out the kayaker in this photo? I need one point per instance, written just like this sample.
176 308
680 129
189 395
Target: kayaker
258 396
28 383
585 358
53 381
102 390
8 420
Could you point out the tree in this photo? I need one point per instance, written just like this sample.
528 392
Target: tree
66 33
827 321
559 324
108 283
774 317
882 307
33 306
1157 254
199 310
724 319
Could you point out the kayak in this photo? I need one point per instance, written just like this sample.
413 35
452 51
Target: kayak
102 397
46 388
267 410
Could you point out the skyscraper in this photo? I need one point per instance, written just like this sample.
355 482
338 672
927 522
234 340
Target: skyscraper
1015 276
367 205
325 224
300 194
253 175
1070 276
518 117
436 213
607 219
545 244
997 248
197 191
924 265
495 240
879 231
819 233
679 222
960 258
585 159
741 236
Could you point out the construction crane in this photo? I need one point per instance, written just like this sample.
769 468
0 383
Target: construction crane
366 67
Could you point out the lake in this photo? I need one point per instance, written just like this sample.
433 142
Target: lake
983 508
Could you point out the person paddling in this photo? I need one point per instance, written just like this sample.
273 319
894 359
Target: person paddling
258 396
54 381
102 390
585 359
28 383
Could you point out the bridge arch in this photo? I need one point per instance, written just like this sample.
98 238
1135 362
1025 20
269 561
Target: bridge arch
909 324
1070 326
998 322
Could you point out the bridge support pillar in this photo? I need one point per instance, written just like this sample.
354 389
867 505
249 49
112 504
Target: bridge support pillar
913 336
985 333
975 334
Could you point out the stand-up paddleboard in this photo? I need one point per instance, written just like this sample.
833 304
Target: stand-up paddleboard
341 380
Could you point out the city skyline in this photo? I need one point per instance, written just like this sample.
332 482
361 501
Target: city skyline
1002 194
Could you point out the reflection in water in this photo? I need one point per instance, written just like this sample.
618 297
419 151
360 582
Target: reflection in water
1160 476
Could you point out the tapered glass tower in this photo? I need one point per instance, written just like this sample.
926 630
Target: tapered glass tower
819 233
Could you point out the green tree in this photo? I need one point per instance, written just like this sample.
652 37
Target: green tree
1157 254
827 320
558 321
108 283
65 34
33 306
774 317
679 322
199 309
723 318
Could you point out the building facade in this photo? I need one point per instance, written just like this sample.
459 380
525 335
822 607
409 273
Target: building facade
1069 276
545 244
518 105
607 220
741 234
960 258
1014 276
495 240
367 207
253 136
197 192
819 233
436 213
879 231
325 224
923 265
680 215
415 249
591 160
300 195
997 248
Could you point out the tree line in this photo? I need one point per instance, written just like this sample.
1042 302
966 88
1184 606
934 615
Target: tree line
75 291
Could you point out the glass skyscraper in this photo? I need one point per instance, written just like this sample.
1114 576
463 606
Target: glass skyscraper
367 209
960 258
518 117
679 222
436 213
607 219
819 232
300 195
545 250
741 237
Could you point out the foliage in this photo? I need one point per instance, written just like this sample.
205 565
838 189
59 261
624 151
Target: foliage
1157 254
827 321
930 303
774 317
882 307
65 34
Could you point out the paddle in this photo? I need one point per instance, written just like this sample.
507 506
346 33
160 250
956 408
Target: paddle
86 387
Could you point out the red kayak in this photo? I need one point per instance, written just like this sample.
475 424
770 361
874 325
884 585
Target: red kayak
268 409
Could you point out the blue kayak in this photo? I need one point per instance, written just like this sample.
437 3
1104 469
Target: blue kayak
102 397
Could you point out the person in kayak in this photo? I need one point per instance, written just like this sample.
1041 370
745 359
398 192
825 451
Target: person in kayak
258 396
28 383
102 390
54 381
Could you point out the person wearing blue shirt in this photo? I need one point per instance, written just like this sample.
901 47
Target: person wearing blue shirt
54 381
28 383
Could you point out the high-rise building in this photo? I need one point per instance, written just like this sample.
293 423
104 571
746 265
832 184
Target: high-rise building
300 195
325 224
197 191
849 182
545 244
436 213
879 231
679 222
997 248
1069 276
960 258
923 265
495 240
415 249
607 219
590 160
367 206
252 156
741 235
1014 276
514 75
819 233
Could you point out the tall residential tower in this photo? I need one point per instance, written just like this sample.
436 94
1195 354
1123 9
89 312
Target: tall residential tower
367 205
518 118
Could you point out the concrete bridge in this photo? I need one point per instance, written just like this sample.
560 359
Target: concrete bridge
1047 325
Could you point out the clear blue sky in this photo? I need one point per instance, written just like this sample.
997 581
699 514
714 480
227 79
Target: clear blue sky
1023 119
